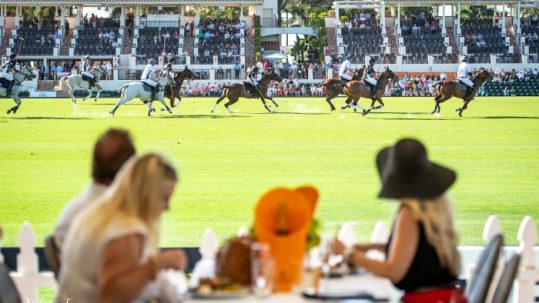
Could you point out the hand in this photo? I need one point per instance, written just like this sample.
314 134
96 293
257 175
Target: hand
337 247
174 259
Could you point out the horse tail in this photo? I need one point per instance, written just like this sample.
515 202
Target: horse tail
122 90
438 87
61 83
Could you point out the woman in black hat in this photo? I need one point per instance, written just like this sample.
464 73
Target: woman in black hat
421 254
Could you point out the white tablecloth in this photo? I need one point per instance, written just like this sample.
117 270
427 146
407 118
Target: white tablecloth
380 288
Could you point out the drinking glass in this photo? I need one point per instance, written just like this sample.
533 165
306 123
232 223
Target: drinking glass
262 270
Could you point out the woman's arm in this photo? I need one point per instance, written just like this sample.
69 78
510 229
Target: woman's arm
401 254
121 277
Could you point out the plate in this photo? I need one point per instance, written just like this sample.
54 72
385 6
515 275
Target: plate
224 295
348 296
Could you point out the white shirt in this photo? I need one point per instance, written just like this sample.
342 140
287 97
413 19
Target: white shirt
81 258
90 194
464 70
345 66
148 73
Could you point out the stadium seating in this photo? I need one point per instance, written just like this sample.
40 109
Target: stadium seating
36 41
152 40
221 38
483 39
96 41
362 38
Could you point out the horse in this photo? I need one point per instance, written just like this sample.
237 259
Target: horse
357 89
448 89
20 75
234 91
334 87
136 90
75 82
173 92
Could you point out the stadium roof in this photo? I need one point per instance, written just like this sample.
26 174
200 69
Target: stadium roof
378 3
131 2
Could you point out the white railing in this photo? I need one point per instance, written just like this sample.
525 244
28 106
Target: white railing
28 278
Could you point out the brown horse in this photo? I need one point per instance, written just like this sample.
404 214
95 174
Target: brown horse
448 89
357 89
234 91
334 87
173 92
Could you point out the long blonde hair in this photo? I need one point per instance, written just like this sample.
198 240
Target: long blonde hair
134 197
436 215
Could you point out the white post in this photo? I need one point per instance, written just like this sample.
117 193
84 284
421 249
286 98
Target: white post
337 20
62 19
524 291
443 17
182 16
137 16
197 16
398 15
77 17
17 18
383 15
122 16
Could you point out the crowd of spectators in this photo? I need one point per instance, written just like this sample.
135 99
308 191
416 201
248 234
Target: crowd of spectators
219 37
419 25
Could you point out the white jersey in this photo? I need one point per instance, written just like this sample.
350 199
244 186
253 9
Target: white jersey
148 73
464 70
85 65
345 66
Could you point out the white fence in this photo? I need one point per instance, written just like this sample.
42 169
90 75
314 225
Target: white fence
28 278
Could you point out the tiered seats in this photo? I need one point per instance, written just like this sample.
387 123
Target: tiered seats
520 87
421 43
360 39
152 40
96 41
530 32
219 37
483 40
36 41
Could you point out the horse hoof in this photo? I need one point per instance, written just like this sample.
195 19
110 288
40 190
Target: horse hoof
111 113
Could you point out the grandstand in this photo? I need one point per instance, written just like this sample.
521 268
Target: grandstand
213 45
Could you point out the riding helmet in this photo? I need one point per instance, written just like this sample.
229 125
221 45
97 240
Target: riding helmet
172 60
151 61
465 59
12 56
86 57
372 60
348 57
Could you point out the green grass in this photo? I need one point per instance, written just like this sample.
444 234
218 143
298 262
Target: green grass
227 161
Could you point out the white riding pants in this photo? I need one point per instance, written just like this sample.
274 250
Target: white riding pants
150 82
7 76
466 81
371 81
88 74
346 77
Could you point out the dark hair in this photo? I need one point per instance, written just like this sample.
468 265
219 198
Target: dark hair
111 151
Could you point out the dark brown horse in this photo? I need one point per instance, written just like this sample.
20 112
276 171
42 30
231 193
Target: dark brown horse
357 89
334 87
234 91
173 92
448 89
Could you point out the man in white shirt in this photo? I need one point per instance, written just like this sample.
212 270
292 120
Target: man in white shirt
344 71
148 77
111 151
463 73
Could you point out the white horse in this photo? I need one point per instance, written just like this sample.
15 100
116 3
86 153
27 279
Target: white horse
134 90
19 76
75 82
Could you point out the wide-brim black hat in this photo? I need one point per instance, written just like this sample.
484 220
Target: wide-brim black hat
406 172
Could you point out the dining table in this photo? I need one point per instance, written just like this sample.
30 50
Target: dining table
352 288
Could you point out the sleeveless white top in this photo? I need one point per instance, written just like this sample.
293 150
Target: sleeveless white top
81 259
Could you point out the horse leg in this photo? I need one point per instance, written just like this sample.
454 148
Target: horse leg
347 105
379 99
357 105
274 102
218 101
122 101
88 96
162 100
436 105
97 96
230 102
16 99
464 107
265 105
328 100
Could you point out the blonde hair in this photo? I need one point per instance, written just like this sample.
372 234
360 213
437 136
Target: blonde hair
436 215
134 198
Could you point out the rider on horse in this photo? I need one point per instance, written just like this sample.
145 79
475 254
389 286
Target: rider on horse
8 69
169 67
369 77
86 71
148 78
255 75
346 66
463 74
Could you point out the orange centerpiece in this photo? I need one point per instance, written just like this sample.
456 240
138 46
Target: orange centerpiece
282 219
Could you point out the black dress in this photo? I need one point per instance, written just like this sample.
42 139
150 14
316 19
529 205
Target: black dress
426 270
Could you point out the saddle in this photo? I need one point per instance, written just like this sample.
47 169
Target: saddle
462 86
249 87
90 80
147 87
